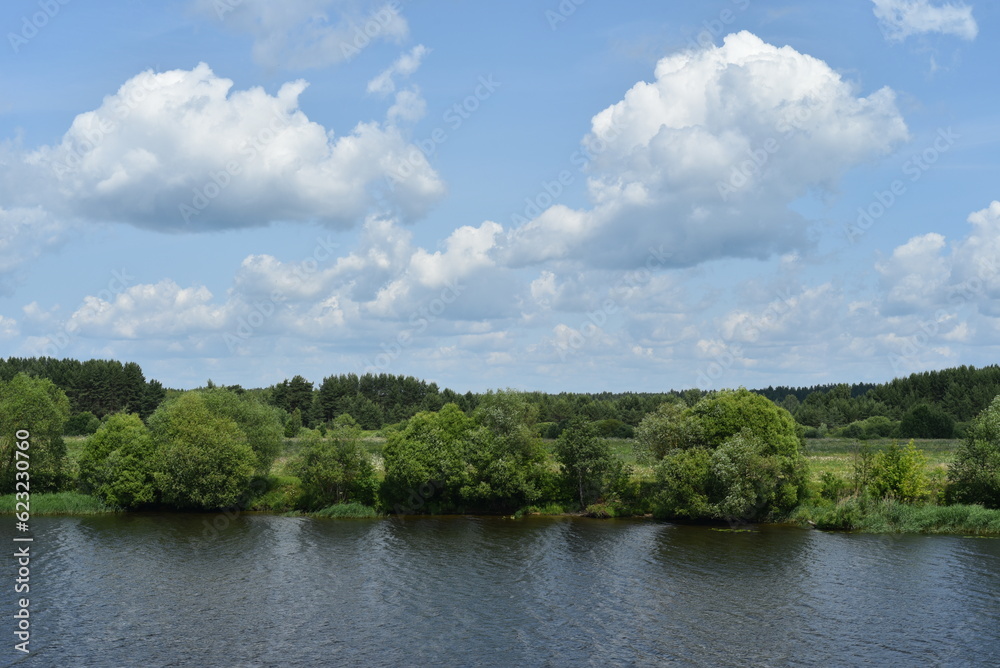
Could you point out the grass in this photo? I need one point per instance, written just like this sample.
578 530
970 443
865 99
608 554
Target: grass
59 503
347 510
887 516
837 455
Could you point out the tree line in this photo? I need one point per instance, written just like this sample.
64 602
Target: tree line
933 404
731 455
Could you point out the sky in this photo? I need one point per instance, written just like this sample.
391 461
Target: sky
554 195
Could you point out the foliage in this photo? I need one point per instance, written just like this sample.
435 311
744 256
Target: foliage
425 461
280 494
58 503
684 482
899 473
116 464
725 414
352 510
504 457
613 428
41 408
892 516
669 428
260 423
82 424
588 463
926 421
293 424
203 460
101 387
734 455
335 469
975 473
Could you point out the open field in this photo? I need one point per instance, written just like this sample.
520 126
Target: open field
837 455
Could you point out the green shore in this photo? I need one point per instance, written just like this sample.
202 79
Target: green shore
831 456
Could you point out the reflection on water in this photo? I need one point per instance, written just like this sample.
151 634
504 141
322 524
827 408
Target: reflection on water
174 590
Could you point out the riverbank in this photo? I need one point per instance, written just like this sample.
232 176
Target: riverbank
856 515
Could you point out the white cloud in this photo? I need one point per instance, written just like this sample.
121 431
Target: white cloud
149 311
181 151
901 18
308 33
704 160
403 67
915 275
924 274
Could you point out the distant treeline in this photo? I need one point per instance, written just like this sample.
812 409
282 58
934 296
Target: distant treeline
97 387
929 404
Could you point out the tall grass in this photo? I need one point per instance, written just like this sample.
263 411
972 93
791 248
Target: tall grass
889 516
347 510
59 503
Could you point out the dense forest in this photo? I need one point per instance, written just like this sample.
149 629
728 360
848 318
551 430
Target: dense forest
387 443
932 404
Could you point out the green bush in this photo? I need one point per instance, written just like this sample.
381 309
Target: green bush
41 408
891 516
203 460
878 426
899 473
734 455
335 470
82 424
347 511
117 463
926 421
613 428
974 476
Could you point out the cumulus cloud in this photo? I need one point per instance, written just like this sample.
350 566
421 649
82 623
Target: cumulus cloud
356 299
160 310
901 18
308 33
704 160
182 151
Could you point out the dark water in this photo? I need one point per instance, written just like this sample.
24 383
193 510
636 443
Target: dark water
160 590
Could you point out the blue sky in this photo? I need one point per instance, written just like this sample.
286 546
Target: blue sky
563 196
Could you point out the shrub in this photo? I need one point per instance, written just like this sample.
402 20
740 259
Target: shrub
975 473
82 424
899 473
736 457
926 421
117 462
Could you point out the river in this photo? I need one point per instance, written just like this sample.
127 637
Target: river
175 590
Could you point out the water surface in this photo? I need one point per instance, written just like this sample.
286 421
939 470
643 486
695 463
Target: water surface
172 590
